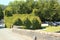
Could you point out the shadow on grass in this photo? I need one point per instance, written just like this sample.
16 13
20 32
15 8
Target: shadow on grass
36 28
57 31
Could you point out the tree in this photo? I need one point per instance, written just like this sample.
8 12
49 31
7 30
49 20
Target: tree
47 9
1 12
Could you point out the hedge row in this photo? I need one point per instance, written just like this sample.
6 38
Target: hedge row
28 24
27 20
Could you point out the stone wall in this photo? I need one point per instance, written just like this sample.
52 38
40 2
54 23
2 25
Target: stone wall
38 34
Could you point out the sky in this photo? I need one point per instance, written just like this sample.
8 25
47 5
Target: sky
5 2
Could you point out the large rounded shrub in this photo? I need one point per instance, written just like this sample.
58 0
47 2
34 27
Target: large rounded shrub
36 24
27 23
18 22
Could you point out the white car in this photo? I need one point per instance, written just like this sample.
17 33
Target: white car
2 25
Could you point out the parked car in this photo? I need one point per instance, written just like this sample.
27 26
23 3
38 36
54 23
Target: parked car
52 24
58 23
2 25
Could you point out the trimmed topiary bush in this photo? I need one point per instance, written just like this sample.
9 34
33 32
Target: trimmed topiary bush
8 13
24 20
18 22
36 24
27 23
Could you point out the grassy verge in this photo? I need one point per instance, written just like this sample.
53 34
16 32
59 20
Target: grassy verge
52 29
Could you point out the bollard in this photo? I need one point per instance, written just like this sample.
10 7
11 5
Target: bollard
34 38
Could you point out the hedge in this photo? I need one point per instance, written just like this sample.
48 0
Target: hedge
25 20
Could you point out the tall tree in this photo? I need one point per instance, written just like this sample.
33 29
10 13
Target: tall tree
1 11
47 9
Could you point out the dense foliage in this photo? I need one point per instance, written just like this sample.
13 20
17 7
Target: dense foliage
42 10
47 10
25 20
1 12
18 22
36 24
27 23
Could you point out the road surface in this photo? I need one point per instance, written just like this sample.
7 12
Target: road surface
7 34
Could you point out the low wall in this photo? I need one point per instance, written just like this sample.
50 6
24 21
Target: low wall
38 34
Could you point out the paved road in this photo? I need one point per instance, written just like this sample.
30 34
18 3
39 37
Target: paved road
7 34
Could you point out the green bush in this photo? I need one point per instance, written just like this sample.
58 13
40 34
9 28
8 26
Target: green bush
18 22
8 13
20 19
36 24
27 23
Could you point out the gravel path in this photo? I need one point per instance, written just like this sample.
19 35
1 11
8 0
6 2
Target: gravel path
39 34
7 34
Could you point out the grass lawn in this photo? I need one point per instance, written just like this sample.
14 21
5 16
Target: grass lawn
52 29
